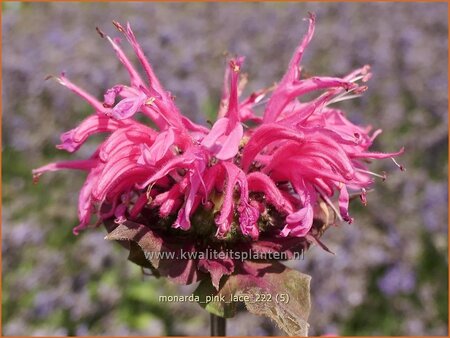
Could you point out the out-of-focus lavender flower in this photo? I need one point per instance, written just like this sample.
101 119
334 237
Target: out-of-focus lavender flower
397 279
435 207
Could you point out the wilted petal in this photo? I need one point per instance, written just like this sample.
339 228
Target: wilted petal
216 268
248 220
110 96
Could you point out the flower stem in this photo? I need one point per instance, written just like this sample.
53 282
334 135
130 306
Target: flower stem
218 326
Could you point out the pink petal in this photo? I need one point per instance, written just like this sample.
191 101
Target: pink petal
230 146
124 138
259 182
291 75
265 135
218 129
248 215
110 96
225 94
153 80
136 80
233 104
160 147
139 205
185 212
377 155
74 139
96 104
74 164
248 220
119 172
299 223
126 108
343 204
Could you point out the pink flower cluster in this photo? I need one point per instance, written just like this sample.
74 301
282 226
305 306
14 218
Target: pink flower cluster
294 155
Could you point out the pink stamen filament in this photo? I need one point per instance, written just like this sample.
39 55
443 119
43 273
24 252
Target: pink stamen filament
402 168
383 177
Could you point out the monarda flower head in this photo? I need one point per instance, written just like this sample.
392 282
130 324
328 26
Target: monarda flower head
265 183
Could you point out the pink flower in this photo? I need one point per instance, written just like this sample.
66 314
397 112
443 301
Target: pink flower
230 183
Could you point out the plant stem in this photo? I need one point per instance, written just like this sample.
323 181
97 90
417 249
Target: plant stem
218 326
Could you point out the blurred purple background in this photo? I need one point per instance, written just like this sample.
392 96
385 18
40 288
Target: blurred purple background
390 272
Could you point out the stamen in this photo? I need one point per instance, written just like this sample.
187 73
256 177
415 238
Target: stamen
235 66
102 35
402 168
150 101
341 98
383 176
36 178
149 189
361 90
345 95
330 204
118 26
357 78
316 240
260 103
60 80
363 196
375 134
